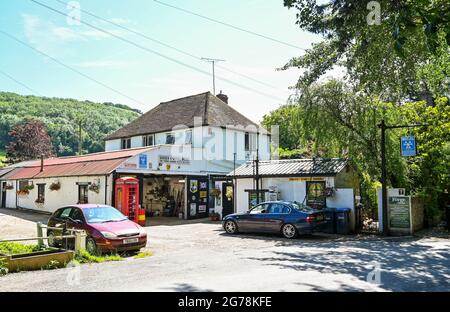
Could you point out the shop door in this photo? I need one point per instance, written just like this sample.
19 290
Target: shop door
3 204
197 197
315 194
227 199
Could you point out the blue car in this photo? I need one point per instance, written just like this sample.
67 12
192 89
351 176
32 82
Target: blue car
286 218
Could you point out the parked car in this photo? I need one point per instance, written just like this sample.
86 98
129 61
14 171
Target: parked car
106 227
287 218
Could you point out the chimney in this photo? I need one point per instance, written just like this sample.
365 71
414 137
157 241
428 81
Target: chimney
42 163
223 97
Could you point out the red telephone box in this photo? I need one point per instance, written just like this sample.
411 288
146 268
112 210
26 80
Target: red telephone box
127 199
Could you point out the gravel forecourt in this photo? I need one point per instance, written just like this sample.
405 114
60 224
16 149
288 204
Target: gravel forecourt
199 256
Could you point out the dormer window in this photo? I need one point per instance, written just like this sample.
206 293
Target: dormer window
126 143
148 140
170 138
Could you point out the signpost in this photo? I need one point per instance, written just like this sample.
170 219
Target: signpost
400 215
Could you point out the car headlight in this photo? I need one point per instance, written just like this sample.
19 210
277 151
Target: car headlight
142 231
108 235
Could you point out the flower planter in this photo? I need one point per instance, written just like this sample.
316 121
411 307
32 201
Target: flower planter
37 260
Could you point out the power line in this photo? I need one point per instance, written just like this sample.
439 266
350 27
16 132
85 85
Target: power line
69 67
159 54
18 82
230 25
184 52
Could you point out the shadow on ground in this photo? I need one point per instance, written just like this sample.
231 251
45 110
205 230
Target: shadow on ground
410 265
25 215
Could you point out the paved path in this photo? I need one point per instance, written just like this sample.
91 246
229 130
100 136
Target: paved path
201 257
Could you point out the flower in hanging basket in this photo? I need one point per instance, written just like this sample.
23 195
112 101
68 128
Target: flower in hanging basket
23 192
28 187
55 186
329 191
94 188
9 187
39 200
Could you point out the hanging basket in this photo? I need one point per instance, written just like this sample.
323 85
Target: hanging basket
55 186
94 188
215 192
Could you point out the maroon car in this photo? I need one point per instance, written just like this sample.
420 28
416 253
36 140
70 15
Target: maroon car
108 230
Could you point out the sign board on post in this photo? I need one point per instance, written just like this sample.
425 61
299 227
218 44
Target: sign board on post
399 213
408 146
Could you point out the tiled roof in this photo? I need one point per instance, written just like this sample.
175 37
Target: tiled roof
167 115
91 164
293 167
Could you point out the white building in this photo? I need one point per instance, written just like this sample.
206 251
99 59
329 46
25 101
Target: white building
319 183
177 151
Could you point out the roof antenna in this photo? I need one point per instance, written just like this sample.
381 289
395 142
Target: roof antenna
213 62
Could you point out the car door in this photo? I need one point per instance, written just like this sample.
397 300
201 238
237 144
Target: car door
253 221
276 216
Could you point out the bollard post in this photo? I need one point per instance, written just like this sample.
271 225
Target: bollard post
40 235
80 241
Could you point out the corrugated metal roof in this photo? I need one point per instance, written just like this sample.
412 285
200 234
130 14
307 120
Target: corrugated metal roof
90 164
5 171
293 167
100 167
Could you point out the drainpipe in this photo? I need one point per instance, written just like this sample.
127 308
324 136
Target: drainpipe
17 202
106 190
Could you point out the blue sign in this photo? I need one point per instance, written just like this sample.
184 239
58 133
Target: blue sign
143 161
408 146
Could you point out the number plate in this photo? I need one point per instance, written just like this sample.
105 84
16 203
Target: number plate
130 241
319 218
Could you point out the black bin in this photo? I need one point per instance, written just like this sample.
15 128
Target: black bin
330 218
343 220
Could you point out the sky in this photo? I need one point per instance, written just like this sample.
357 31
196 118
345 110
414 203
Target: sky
142 76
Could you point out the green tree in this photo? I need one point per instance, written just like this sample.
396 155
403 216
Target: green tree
405 57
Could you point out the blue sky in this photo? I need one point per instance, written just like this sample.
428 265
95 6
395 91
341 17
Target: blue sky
145 77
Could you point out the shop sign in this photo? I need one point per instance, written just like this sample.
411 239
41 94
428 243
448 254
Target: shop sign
399 212
173 160
306 179
143 161
130 165
408 146
202 208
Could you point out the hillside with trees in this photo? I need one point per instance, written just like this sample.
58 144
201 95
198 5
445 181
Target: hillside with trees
63 119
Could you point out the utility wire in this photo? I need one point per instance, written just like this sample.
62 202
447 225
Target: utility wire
70 67
18 82
184 52
230 25
160 54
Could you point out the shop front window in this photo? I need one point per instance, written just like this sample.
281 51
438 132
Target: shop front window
315 194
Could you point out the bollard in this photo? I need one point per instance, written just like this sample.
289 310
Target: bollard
40 235
80 241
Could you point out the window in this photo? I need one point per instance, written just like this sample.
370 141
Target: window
64 213
188 140
23 184
126 143
148 140
41 192
278 208
315 194
251 141
263 208
170 138
82 194
77 215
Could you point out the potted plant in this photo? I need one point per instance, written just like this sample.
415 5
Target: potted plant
329 191
214 216
40 200
55 186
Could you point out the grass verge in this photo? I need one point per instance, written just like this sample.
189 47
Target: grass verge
143 254
85 257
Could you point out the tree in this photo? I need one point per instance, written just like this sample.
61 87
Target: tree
403 57
29 140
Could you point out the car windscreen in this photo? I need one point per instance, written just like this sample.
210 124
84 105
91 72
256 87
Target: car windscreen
103 215
301 207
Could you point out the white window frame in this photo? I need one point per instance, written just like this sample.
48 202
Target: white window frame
145 140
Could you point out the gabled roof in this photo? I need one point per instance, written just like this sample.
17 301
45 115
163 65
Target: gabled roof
90 164
293 167
167 115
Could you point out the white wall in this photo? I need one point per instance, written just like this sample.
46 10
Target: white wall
112 145
67 195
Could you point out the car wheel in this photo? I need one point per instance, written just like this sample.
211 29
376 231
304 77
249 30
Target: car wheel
52 240
230 227
289 231
91 246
